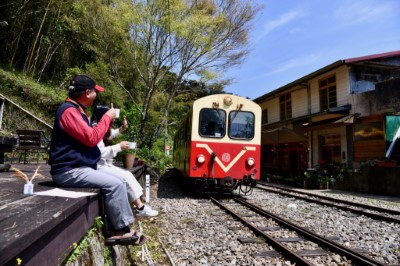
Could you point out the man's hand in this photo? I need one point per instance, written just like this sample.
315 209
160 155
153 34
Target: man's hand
112 113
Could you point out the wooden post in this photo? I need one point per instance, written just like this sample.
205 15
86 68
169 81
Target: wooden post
147 189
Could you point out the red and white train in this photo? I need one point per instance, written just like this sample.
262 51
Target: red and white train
217 146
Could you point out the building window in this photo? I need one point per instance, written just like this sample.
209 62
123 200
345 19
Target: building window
265 116
327 93
285 103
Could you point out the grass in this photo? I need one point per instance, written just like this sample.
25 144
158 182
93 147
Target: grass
81 251
151 228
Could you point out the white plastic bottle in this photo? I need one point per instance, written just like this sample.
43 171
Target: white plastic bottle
28 188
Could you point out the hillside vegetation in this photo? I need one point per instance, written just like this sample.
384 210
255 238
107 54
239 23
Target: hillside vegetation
153 57
39 100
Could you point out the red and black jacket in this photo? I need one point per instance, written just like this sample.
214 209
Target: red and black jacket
74 140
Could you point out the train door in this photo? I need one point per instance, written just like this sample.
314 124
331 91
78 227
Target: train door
293 163
187 144
330 148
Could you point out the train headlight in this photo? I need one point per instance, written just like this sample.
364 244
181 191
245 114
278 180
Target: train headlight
228 100
201 158
250 161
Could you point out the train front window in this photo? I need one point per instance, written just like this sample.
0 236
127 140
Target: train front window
241 125
212 123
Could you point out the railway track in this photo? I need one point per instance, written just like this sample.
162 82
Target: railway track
374 212
262 224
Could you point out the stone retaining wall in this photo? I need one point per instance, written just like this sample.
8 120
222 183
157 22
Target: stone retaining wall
373 180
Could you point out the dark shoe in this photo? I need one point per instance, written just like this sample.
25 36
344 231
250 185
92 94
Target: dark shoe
109 231
122 239
131 238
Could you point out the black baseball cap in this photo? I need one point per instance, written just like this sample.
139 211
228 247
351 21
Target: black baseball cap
83 82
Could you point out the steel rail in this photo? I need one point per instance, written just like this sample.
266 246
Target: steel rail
361 205
377 216
349 253
287 253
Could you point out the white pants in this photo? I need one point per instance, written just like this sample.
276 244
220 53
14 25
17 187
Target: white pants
134 189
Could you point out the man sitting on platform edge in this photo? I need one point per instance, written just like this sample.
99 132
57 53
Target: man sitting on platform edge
74 155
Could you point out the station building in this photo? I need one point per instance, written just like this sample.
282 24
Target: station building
344 113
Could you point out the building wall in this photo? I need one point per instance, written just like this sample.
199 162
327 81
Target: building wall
342 85
365 80
387 95
299 103
300 107
273 110
364 103
299 96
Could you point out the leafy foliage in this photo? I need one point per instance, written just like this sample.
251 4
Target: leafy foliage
42 102
145 53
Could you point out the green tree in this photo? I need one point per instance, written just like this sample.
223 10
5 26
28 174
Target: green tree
154 56
187 38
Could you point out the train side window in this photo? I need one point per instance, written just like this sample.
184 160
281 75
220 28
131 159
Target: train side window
241 125
212 123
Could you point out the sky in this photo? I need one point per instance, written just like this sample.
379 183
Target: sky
293 38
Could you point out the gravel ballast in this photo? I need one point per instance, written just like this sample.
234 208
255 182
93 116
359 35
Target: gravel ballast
195 231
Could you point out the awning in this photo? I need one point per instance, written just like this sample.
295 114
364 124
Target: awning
331 113
346 120
333 117
344 109
281 135
330 123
